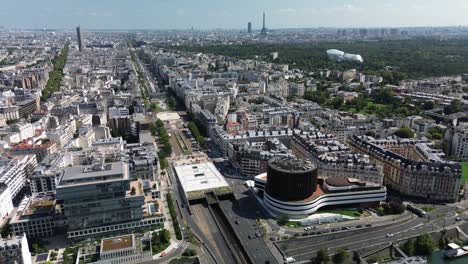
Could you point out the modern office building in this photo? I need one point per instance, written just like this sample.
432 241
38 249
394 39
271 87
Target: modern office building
118 250
100 198
249 27
333 192
36 216
198 178
291 179
78 37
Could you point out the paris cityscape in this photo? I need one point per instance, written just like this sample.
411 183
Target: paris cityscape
218 132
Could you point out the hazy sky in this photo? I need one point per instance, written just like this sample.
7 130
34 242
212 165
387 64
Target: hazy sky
208 14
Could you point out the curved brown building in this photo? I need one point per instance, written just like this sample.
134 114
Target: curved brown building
291 179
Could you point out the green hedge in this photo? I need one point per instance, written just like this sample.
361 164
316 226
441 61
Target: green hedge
173 213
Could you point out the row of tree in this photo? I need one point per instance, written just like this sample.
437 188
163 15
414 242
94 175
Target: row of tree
322 257
198 136
158 128
173 213
55 76
422 245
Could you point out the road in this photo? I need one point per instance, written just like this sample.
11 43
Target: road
244 223
305 248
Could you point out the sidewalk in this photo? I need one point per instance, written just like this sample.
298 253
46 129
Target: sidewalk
373 219
173 246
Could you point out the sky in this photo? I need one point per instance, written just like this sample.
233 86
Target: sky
230 14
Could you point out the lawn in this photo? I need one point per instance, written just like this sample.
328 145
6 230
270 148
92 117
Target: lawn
427 208
347 212
464 172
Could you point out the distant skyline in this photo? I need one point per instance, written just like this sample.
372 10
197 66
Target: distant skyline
211 14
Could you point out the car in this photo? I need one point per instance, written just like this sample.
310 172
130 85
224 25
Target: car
305 234
236 222
389 235
249 236
257 234
358 226
458 219
368 225
344 228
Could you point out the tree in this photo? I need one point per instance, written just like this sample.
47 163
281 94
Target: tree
404 132
172 102
384 96
321 258
283 220
424 245
189 252
6 230
154 106
454 107
408 247
340 256
394 207
436 133
428 105
337 103
165 236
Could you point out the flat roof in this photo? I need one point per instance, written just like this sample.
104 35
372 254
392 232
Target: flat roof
90 173
168 116
199 177
116 243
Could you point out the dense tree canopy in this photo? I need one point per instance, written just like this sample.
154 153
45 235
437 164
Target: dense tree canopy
424 245
404 132
321 258
454 107
340 256
417 58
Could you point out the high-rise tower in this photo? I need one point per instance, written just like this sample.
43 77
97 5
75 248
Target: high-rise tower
249 27
264 29
78 36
